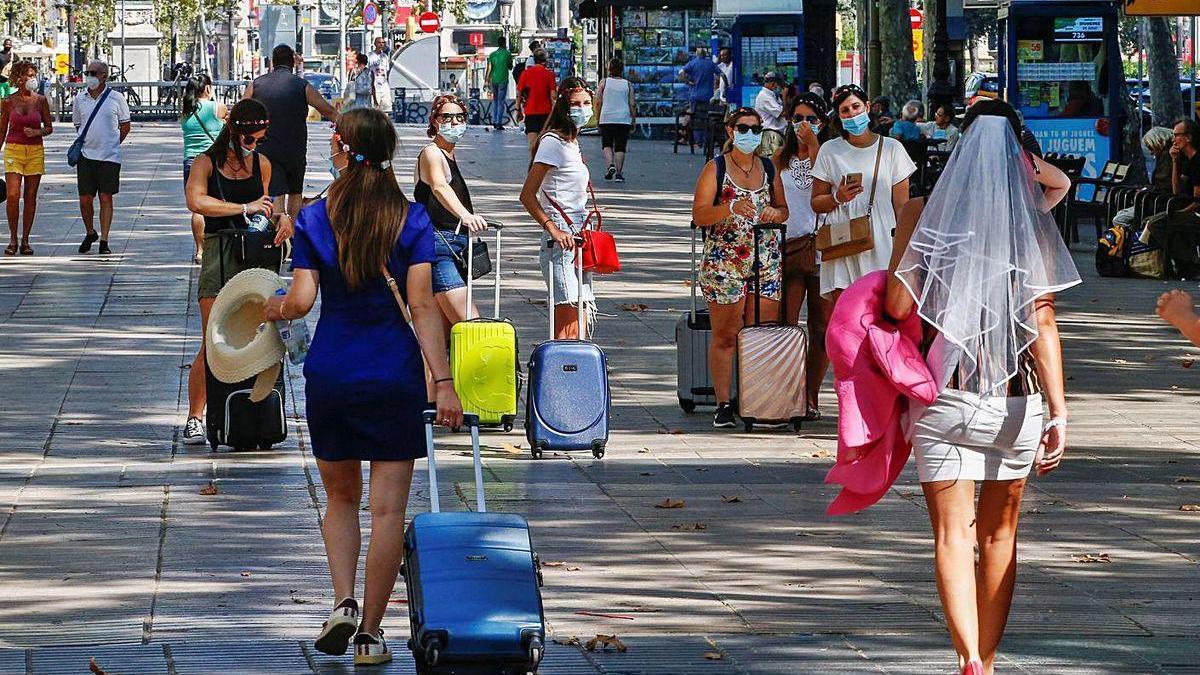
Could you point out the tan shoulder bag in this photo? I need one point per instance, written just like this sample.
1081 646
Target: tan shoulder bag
839 240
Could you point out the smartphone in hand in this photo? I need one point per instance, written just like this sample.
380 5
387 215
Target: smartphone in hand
854 180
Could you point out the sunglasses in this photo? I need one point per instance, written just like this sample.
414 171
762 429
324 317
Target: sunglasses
250 141
454 117
93 73
743 128
811 119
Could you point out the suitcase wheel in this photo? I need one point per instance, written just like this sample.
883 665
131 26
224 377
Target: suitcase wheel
797 424
688 405
598 450
213 445
506 423
537 450
749 426
264 446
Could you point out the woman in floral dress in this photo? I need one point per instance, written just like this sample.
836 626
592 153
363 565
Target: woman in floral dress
736 192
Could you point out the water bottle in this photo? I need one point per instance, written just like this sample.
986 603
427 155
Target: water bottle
295 336
258 223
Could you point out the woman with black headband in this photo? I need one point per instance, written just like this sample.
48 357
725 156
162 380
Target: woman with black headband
368 250
808 128
862 175
227 185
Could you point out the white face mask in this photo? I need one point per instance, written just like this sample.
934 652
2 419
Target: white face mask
31 84
92 82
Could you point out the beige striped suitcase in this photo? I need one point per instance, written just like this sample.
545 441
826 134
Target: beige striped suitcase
771 367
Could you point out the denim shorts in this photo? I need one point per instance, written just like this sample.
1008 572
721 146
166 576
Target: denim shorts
446 276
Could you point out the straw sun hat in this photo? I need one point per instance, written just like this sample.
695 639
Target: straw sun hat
237 348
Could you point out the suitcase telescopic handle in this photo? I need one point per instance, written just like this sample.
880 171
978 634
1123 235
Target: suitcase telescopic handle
578 255
472 421
492 225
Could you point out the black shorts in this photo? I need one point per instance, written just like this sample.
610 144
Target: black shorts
535 123
287 173
96 176
614 136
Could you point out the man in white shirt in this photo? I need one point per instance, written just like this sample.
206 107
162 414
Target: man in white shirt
99 169
380 63
769 106
725 65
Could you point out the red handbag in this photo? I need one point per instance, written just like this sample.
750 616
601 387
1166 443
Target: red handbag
599 248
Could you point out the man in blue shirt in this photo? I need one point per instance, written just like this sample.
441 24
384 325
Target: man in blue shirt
701 74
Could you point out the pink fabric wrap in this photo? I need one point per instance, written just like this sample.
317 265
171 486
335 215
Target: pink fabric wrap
877 367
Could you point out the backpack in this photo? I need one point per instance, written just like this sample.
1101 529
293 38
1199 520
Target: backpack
517 70
768 169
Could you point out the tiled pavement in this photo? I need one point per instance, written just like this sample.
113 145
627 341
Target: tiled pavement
107 549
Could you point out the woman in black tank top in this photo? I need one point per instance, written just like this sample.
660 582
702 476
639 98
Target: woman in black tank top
441 189
227 186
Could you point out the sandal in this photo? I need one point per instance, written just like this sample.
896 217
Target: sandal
11 249
26 249
813 414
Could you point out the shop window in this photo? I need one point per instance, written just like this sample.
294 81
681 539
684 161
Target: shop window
1061 67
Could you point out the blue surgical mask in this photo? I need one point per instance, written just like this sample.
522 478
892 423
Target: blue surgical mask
453 133
857 125
747 141
333 170
581 115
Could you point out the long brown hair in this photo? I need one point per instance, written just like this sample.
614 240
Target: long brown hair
366 207
246 117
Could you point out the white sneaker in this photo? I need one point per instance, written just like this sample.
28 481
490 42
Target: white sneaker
370 650
193 432
339 628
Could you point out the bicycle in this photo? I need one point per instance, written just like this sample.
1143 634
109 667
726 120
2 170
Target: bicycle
117 78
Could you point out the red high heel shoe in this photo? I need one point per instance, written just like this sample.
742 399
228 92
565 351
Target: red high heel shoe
973 668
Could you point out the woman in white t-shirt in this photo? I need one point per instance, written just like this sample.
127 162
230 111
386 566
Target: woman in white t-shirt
556 195
808 128
842 179
618 114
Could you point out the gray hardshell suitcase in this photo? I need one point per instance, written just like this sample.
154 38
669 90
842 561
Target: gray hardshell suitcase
772 360
693 334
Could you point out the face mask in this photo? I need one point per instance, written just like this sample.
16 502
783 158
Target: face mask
92 82
246 152
857 125
581 115
333 170
746 142
453 133
816 128
31 84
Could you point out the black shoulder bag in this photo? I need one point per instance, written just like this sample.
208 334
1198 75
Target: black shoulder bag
250 247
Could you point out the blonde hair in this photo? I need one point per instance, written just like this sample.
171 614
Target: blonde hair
1158 139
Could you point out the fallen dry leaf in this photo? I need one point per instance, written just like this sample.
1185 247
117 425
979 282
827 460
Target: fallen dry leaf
1190 507
690 527
732 499
635 307
1187 362
669 503
1091 558
647 473
245 574
209 490
713 656
1187 479
821 453
673 432
573 568
569 641
511 449
604 642
555 563
94 668
1120 362
605 615
643 451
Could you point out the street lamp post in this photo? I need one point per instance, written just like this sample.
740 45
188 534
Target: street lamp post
941 91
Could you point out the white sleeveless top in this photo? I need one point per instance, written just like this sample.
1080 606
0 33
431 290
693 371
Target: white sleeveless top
615 107
797 192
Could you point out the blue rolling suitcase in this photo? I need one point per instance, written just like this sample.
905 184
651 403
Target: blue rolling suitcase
473 582
568 396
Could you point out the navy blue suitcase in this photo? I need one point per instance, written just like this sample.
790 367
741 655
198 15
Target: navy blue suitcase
474 584
568 397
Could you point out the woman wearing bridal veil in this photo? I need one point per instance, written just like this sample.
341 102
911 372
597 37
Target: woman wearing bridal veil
980 261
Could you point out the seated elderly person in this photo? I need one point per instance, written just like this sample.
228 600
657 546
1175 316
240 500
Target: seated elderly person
906 129
1157 142
942 127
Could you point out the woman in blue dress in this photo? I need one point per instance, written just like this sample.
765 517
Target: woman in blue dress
365 383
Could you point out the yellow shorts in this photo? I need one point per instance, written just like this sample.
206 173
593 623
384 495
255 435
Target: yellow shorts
27 160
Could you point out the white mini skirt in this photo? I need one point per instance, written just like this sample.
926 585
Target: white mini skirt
962 436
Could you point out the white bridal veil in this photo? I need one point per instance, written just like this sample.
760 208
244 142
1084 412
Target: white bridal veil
983 250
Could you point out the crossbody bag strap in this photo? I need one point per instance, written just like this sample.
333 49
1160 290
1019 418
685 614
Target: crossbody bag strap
393 286
599 222
99 104
196 114
875 177
558 208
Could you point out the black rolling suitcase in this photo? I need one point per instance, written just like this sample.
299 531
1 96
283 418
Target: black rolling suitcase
231 419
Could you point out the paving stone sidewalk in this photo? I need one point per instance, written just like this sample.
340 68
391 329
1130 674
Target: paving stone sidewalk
109 550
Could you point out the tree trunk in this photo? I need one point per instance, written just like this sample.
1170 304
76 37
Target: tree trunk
1162 64
898 71
1131 141
929 31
